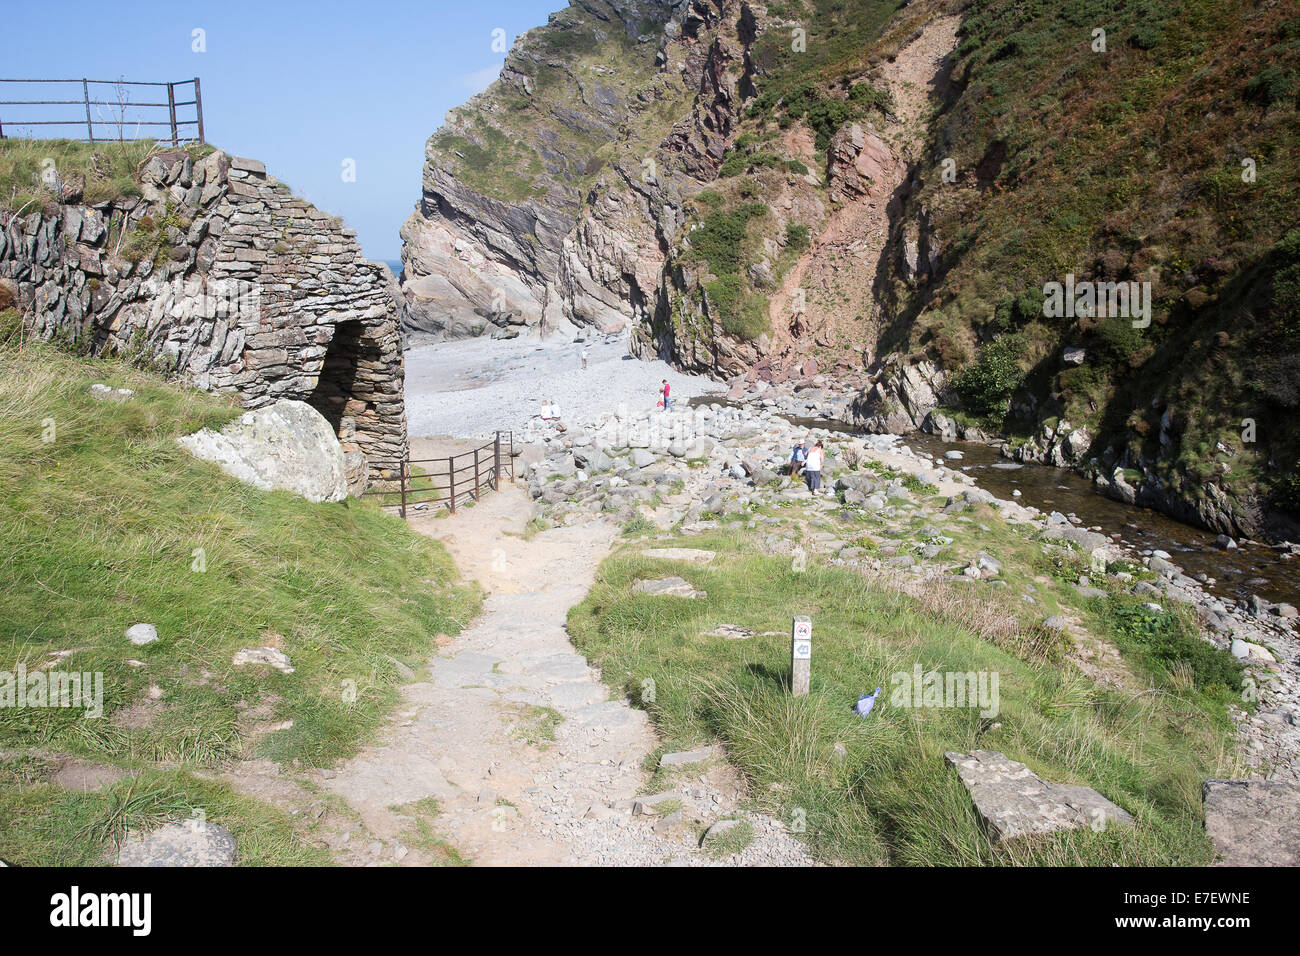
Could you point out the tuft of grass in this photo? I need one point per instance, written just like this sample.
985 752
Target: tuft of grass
107 170
730 842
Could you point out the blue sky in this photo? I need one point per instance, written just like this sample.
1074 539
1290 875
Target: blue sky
301 86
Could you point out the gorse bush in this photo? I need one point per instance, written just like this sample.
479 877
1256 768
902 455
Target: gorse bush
986 385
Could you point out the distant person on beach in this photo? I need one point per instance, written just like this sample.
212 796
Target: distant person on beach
667 402
585 355
798 458
812 469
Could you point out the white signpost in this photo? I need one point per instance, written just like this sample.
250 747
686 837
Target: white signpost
801 655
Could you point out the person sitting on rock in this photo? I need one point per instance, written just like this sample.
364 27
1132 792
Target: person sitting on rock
798 458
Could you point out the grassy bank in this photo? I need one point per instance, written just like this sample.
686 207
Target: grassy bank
100 171
108 523
877 790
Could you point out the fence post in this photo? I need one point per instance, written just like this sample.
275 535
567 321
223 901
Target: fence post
171 108
85 93
451 479
496 463
198 108
401 475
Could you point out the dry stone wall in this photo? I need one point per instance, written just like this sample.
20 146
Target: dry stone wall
221 275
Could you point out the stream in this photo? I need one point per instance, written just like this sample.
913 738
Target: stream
1236 573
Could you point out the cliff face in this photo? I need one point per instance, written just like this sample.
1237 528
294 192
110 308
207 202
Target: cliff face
217 274
553 196
880 193
604 180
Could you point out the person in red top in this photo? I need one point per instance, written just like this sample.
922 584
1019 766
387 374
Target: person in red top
668 405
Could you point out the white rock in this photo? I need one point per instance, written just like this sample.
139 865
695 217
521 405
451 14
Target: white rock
142 634
264 655
288 445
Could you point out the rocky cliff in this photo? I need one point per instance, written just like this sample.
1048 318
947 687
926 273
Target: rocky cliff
878 195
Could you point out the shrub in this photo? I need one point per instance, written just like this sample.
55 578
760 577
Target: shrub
718 242
986 386
796 237
1272 85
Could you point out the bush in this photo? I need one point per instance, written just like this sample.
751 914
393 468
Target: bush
796 237
1272 85
872 97
718 242
741 314
985 387
1286 282
1166 641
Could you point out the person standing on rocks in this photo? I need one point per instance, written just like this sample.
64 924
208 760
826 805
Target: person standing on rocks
812 469
667 402
586 353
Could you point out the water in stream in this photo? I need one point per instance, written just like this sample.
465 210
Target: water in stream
1248 569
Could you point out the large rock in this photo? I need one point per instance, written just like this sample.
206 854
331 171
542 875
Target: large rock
1013 801
288 446
1253 822
180 844
669 587
693 555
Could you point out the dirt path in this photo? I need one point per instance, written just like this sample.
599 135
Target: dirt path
514 735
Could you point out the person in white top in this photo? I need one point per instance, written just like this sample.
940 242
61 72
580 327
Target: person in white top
585 354
812 469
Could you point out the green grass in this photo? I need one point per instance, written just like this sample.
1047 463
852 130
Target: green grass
423 836
731 842
111 523
108 169
44 825
892 798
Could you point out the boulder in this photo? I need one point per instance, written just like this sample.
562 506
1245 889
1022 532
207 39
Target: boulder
288 446
1013 801
180 844
141 634
268 656
698 755
1253 822
694 555
669 587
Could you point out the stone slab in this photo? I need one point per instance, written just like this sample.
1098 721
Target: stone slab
1013 801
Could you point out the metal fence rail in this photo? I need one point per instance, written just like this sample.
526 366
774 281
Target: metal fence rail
174 122
449 480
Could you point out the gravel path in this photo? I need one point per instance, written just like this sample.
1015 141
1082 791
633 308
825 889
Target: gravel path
474 735
473 387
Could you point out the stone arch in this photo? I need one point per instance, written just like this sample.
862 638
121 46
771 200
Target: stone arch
334 389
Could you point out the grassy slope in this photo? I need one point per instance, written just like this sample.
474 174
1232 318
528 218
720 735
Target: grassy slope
892 798
100 529
1127 165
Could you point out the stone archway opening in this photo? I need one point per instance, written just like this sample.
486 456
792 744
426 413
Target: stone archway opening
334 395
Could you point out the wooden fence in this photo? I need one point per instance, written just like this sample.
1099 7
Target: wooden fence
452 480
126 119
